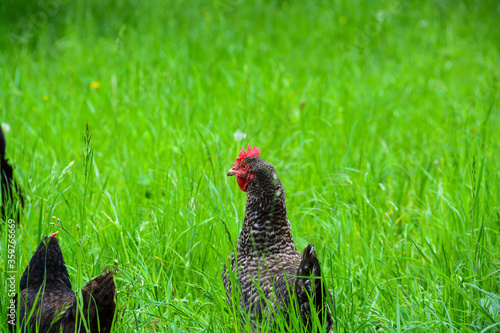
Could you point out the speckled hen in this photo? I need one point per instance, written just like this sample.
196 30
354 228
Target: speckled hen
47 302
271 275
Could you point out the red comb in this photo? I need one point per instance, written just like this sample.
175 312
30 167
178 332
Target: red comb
54 234
251 152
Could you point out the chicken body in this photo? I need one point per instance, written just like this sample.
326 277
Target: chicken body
10 191
52 301
45 291
268 269
265 252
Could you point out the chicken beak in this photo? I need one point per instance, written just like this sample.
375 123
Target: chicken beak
231 172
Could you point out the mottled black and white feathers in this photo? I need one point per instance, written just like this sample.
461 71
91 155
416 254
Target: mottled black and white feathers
266 264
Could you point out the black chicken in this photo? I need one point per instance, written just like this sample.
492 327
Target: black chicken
271 274
11 192
45 286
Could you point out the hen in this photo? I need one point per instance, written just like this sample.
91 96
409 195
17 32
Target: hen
10 189
48 304
271 275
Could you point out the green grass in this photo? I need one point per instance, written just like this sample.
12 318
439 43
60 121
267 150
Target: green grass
381 118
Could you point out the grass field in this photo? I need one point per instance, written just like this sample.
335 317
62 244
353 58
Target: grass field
381 118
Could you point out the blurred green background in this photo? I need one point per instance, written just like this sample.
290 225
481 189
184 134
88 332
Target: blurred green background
380 117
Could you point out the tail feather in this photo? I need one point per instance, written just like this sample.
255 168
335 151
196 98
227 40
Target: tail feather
98 303
310 289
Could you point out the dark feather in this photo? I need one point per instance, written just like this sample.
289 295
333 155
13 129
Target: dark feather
98 306
10 190
46 290
309 288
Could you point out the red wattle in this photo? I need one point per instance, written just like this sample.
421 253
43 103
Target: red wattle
242 183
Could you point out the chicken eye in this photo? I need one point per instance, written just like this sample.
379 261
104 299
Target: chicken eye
244 167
